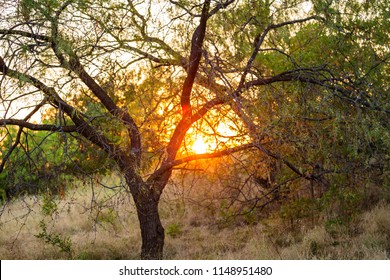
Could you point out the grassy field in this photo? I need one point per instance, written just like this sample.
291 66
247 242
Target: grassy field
102 224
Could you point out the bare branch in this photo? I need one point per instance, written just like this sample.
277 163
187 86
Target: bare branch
195 56
219 7
11 149
278 157
167 166
216 154
26 34
259 41
38 127
22 124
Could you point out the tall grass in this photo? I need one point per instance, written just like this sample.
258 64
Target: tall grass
101 223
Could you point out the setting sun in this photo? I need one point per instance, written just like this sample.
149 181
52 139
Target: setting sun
200 147
223 136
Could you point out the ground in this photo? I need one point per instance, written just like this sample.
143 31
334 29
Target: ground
103 225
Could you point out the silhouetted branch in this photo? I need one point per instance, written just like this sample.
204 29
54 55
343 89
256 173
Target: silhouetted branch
38 127
167 166
76 116
74 64
11 149
216 154
26 34
195 56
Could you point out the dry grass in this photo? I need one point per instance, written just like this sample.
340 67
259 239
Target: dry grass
97 230
106 227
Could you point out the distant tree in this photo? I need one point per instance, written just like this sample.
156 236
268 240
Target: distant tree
140 79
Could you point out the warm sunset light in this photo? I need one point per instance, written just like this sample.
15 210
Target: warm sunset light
224 136
200 147
233 129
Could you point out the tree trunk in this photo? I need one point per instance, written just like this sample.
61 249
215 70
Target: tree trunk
146 198
152 231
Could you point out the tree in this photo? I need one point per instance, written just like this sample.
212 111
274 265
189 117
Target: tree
136 78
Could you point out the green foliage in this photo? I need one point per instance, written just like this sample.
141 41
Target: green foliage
334 226
250 216
64 244
174 230
47 162
299 209
342 203
49 205
108 216
49 208
326 115
84 256
3 186
45 7
3 196
226 211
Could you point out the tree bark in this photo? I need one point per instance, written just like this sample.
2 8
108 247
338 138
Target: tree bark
152 231
146 197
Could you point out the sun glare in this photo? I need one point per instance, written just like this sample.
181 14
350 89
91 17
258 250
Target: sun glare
200 147
206 144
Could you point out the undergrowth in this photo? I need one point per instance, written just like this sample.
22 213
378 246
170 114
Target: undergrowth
103 225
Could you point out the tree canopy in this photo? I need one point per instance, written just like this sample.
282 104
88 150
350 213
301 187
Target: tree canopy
301 84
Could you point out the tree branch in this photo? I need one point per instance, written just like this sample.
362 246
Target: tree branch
258 42
219 7
82 126
195 56
217 154
38 127
167 166
285 161
25 34
74 65
17 139
306 76
11 149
